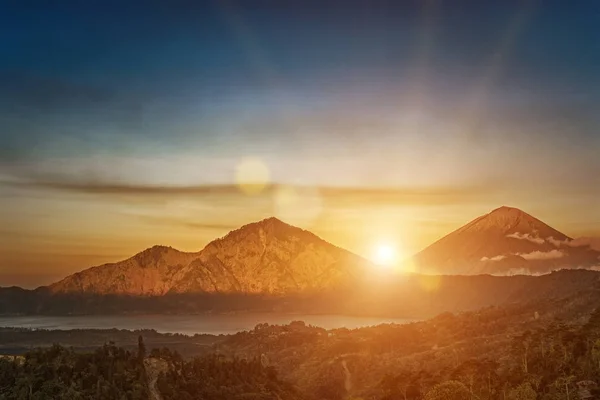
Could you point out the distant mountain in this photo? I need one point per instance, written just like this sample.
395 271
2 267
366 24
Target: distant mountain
272 266
154 271
504 242
269 256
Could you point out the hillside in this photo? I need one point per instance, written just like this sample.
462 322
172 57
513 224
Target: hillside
544 347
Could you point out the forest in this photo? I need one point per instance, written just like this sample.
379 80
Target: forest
535 351
111 372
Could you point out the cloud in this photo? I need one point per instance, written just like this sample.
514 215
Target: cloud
407 195
534 255
527 271
526 236
542 255
557 242
182 222
591 242
495 258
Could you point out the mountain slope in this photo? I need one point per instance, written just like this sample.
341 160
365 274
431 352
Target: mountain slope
150 272
269 256
505 241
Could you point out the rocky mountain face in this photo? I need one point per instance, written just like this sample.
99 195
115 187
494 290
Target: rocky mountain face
270 257
154 271
263 257
506 241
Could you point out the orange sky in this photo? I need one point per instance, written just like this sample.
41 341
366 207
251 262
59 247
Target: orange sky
52 231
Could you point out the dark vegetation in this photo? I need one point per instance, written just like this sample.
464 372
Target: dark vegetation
216 378
537 349
414 296
14 341
107 373
482 350
479 355
111 373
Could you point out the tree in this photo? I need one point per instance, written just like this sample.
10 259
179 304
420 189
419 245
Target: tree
563 386
449 390
141 348
522 392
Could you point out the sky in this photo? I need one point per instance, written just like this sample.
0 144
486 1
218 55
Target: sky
128 124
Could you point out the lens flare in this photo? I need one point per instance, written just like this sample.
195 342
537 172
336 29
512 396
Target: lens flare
252 176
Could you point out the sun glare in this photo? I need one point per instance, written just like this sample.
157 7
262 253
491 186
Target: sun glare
385 255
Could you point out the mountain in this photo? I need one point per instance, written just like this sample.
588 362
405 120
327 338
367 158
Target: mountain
504 242
269 256
151 272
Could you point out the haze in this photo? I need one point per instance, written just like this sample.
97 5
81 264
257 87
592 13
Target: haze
122 128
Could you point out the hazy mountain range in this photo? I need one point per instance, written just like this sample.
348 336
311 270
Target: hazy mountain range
273 257
277 266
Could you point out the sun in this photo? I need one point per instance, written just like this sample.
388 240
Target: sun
385 255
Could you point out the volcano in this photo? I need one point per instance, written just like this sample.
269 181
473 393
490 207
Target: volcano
506 241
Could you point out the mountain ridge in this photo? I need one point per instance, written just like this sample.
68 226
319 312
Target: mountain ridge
272 257
267 256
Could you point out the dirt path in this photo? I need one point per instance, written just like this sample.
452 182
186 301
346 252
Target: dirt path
154 366
348 377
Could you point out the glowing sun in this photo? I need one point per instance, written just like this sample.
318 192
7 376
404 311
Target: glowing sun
384 255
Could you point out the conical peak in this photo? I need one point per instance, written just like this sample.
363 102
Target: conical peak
505 216
502 219
506 210
510 220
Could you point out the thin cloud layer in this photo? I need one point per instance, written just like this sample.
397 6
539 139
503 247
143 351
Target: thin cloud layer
495 258
592 242
409 195
526 236
534 255
542 255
